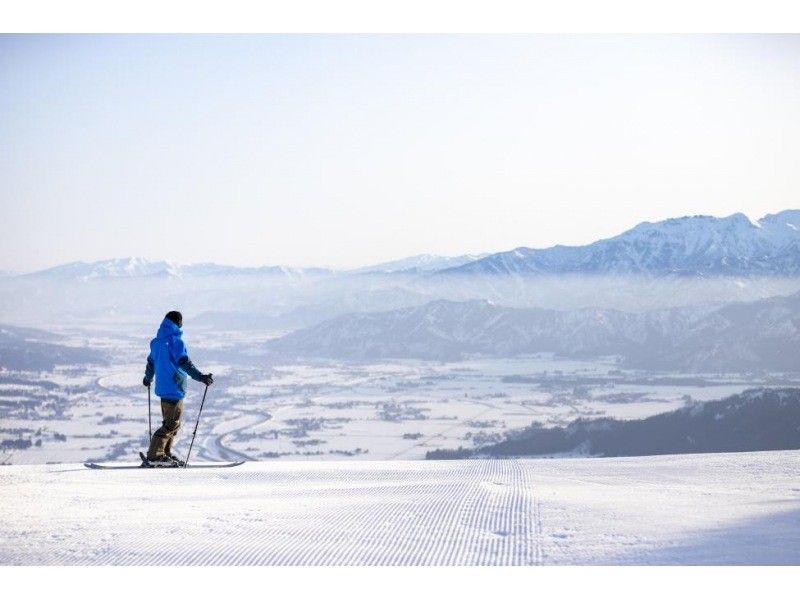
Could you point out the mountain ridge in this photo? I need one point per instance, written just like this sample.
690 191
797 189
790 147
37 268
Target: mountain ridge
763 334
688 245
136 267
698 245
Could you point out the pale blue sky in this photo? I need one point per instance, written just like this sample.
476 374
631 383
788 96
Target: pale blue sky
348 150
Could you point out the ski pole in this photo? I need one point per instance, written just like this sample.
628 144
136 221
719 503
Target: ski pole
149 416
197 423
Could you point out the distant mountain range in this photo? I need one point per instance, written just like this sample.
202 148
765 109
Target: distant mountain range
420 263
133 267
755 420
758 335
696 245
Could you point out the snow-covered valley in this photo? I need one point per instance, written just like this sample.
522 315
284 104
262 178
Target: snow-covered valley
387 410
735 508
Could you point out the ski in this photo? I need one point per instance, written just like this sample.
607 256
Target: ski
190 466
145 465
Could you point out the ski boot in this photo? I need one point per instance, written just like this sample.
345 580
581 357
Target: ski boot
160 461
178 462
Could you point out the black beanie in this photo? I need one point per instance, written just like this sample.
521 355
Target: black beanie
175 317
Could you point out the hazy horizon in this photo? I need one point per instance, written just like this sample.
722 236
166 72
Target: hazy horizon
344 151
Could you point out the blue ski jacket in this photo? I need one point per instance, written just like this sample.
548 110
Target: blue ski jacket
169 362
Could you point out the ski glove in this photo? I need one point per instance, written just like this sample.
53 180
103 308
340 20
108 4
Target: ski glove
207 379
146 381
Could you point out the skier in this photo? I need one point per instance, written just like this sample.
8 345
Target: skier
169 362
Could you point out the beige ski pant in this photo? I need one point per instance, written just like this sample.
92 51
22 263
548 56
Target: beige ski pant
163 437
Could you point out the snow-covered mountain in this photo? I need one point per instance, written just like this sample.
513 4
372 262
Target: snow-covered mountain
449 330
691 245
133 267
211 269
114 268
420 263
762 334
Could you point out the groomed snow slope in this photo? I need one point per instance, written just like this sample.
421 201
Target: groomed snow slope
690 509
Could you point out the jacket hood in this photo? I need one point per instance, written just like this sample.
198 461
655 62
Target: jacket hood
168 328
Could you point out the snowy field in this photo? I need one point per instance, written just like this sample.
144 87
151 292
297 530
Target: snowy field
693 509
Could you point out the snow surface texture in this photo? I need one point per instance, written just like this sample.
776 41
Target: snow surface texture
691 509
